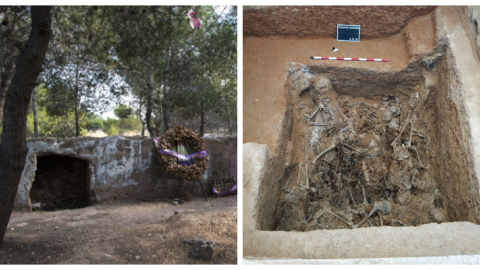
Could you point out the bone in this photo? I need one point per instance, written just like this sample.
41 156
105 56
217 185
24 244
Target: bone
419 134
401 130
379 141
310 123
340 111
312 97
351 196
357 150
418 156
317 215
399 222
306 176
320 213
370 223
364 197
339 217
385 207
307 155
299 172
305 222
320 106
288 182
409 145
413 177
410 120
339 178
365 172
324 152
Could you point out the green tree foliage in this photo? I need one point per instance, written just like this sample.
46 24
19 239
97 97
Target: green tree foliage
53 121
210 95
123 111
55 126
162 59
149 39
94 122
15 23
77 65
99 55
110 126
120 126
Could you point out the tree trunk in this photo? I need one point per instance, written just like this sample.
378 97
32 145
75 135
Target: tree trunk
77 102
229 118
140 118
202 119
166 117
13 148
143 129
148 114
34 110
8 65
4 82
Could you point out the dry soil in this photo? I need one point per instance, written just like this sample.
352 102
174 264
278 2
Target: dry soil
122 233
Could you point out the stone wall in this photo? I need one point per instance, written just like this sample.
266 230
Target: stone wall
122 168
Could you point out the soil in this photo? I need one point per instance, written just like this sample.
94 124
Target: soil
123 232
315 21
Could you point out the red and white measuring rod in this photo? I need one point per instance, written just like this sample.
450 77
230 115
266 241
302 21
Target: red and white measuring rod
350 59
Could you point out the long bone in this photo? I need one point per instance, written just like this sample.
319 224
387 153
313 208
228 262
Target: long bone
334 144
385 207
299 172
288 182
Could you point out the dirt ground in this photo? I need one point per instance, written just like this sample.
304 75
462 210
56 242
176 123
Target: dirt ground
130 232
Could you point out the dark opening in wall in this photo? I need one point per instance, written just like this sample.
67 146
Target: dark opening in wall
60 183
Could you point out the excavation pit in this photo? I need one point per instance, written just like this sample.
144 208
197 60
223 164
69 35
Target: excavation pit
363 156
370 149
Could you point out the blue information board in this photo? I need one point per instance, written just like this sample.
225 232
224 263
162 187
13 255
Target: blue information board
346 32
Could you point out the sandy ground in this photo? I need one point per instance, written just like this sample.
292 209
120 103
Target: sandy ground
122 233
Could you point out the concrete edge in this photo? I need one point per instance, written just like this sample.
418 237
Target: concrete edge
456 259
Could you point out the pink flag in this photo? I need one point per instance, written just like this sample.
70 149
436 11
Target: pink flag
194 21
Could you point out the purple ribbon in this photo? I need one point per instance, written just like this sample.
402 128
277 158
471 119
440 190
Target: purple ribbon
183 157
220 192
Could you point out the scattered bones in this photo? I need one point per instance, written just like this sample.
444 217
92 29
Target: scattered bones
363 151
